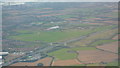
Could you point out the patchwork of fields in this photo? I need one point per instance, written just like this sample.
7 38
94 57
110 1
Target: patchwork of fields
76 35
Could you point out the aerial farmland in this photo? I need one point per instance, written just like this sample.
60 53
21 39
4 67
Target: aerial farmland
60 34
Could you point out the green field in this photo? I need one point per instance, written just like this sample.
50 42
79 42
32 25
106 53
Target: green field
63 54
68 53
115 63
100 42
79 65
22 31
83 48
52 36
95 64
66 16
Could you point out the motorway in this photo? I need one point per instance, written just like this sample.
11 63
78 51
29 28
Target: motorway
27 54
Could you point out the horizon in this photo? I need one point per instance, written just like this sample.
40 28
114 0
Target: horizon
59 0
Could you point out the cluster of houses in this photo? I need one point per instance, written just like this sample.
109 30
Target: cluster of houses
2 54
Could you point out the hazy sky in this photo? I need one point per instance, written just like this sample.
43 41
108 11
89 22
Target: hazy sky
60 0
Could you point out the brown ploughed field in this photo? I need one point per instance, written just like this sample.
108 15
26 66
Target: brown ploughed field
66 62
45 61
116 37
96 56
112 47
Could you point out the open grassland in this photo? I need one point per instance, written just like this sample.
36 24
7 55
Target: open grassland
52 36
63 54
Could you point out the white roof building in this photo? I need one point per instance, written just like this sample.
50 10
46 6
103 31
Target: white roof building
55 27
4 53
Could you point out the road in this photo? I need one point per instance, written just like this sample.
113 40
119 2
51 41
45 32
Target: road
27 54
